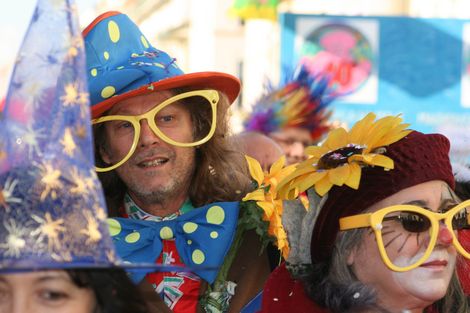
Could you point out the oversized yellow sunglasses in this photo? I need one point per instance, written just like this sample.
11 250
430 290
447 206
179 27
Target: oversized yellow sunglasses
166 120
412 219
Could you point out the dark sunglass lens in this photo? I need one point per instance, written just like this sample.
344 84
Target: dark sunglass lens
414 222
461 220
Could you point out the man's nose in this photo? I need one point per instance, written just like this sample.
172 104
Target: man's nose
147 136
296 150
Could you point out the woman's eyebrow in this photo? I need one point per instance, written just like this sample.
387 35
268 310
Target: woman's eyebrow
420 203
48 277
446 203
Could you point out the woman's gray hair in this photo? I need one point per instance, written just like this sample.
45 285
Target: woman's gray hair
334 285
330 284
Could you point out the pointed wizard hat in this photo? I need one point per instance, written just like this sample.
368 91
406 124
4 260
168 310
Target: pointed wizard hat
52 210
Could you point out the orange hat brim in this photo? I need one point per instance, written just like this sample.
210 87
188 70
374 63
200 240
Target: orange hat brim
222 82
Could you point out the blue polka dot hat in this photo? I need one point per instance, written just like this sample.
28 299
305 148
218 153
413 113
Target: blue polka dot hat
121 63
52 208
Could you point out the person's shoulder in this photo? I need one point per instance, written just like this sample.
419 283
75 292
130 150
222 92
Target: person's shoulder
282 293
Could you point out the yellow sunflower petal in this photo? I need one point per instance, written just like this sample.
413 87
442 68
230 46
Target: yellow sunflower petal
382 160
267 207
287 171
323 186
358 158
279 232
271 194
339 175
278 206
395 136
373 159
381 129
373 139
281 235
354 176
316 150
361 129
310 163
298 172
281 242
285 250
309 180
283 191
257 195
255 170
271 230
277 166
288 191
291 194
337 138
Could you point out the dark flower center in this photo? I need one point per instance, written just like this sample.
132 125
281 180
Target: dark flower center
338 157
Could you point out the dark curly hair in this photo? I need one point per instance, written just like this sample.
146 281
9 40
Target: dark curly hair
114 291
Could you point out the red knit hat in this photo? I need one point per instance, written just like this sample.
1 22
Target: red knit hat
418 158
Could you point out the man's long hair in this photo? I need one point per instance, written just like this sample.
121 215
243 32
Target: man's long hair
221 173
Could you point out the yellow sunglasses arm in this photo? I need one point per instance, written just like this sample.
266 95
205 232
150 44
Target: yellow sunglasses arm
355 221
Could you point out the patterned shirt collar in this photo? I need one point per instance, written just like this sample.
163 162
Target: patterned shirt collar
134 212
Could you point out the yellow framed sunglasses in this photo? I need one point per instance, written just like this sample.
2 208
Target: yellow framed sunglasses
412 219
165 120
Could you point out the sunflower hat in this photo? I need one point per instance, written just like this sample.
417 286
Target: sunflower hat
351 170
339 159
301 101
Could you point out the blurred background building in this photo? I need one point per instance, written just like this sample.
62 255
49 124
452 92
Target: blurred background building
217 35
208 35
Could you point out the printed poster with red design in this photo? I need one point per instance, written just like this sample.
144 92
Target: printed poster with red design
389 65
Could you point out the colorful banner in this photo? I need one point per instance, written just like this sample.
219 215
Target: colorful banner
389 65
255 9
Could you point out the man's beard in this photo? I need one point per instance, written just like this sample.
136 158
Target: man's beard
159 195
162 194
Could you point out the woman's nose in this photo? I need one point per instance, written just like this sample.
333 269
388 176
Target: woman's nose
444 236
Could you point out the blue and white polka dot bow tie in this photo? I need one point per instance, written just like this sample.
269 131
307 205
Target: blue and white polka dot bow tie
202 237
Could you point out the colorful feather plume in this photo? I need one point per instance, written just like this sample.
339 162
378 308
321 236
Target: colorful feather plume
301 101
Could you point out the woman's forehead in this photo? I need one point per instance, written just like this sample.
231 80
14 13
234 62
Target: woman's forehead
35 276
431 193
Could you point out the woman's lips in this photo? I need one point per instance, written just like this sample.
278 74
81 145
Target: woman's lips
435 263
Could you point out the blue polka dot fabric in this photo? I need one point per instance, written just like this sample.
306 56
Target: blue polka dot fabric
121 59
203 238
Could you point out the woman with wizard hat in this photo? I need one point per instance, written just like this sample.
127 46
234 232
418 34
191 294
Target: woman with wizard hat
56 254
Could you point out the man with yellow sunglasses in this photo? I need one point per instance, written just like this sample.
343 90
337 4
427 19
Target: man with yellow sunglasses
170 176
